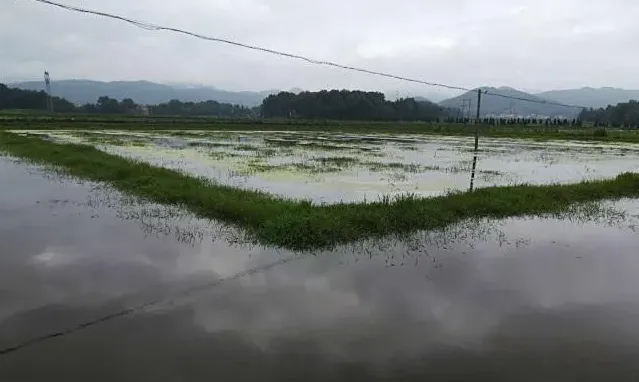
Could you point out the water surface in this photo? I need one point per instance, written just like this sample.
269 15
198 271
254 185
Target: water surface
333 167
515 300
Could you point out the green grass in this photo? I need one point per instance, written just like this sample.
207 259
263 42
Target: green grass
221 155
407 167
256 167
337 161
247 148
115 141
155 123
280 142
211 145
300 225
322 146
415 168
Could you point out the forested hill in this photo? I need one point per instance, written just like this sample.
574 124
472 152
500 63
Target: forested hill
625 114
349 105
499 106
591 97
11 98
142 92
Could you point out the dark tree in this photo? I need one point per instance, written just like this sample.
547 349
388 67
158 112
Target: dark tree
623 115
206 108
350 105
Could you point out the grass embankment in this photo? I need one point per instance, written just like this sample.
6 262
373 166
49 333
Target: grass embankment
300 225
102 122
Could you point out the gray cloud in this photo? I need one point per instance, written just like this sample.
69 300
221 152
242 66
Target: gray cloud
528 44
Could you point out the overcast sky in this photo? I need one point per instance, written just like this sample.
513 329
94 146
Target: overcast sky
527 44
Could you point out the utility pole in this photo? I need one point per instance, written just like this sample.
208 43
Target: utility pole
462 111
472 174
47 84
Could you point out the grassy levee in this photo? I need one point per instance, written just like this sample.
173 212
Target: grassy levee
299 225
159 123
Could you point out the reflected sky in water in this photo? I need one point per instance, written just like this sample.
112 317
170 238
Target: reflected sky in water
520 299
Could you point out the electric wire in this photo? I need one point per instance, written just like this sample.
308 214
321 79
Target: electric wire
154 27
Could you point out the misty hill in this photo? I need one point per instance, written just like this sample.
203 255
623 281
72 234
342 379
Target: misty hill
142 92
496 106
591 97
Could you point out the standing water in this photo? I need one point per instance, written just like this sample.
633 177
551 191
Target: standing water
538 299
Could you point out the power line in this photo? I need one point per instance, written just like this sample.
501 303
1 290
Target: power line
540 101
141 307
154 27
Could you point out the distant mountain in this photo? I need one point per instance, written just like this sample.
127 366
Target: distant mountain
492 105
591 97
296 90
142 92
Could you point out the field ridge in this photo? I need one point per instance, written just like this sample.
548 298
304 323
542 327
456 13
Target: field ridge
300 225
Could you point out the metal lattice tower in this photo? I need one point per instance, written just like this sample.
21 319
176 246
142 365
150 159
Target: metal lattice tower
47 84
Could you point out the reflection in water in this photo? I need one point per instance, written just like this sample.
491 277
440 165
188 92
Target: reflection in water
519 299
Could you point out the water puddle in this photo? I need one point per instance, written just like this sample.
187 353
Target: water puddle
524 299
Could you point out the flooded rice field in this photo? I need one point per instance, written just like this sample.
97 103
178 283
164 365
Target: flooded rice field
334 167
527 299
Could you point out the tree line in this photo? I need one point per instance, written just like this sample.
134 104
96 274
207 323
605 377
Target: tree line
349 105
206 108
524 121
334 104
625 114
329 105
106 105
12 98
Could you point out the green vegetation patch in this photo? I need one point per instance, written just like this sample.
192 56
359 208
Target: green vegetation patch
322 146
245 147
413 168
337 161
281 142
221 155
217 127
211 145
300 225
266 153
115 141
256 167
